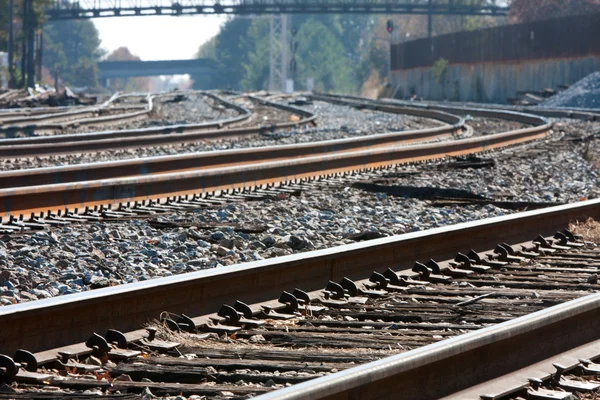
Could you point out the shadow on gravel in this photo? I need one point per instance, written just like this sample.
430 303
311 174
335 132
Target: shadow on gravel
444 197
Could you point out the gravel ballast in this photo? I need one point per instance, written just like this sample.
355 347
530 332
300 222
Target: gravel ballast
334 122
584 93
83 257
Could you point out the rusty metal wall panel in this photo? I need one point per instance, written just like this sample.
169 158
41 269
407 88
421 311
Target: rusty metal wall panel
558 38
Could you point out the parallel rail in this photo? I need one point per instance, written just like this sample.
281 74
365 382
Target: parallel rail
448 369
216 159
144 137
459 109
35 201
55 121
428 372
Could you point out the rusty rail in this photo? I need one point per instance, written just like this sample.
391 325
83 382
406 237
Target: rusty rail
146 137
450 366
45 324
36 200
214 159
459 109
44 124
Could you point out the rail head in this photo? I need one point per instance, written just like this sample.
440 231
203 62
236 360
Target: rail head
374 380
69 319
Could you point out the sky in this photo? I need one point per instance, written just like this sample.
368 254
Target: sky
158 37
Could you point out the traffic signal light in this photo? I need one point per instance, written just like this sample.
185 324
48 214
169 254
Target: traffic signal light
390 26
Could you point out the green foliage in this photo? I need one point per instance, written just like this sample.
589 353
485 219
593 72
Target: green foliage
3 25
3 75
330 49
208 49
230 55
72 48
439 69
322 56
85 72
256 68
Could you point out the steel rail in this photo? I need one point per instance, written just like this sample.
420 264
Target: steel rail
217 159
61 321
29 202
441 369
8 113
549 112
383 105
145 137
28 122
32 129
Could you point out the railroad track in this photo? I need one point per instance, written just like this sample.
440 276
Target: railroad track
251 329
462 108
454 126
51 121
184 185
88 117
144 137
262 326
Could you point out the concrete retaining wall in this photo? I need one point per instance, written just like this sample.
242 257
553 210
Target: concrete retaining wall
491 82
493 64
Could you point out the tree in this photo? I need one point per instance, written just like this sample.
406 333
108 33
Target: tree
340 52
256 68
322 56
533 10
71 48
230 55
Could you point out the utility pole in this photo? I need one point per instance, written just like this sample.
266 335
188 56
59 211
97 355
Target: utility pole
39 53
278 60
11 44
29 36
289 86
429 18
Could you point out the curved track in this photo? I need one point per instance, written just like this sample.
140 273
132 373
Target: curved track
87 116
72 198
55 328
134 138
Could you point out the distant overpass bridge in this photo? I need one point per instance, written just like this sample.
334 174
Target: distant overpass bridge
279 60
129 69
61 9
